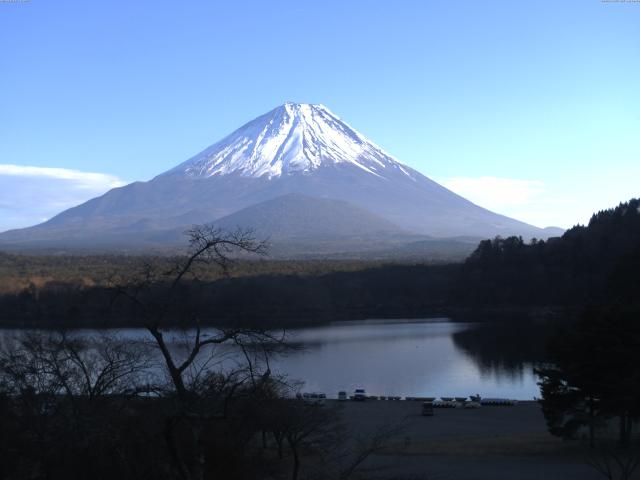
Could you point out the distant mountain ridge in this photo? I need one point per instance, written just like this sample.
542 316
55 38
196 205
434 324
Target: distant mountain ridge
295 149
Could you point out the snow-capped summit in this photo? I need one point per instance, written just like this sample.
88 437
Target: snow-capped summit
292 138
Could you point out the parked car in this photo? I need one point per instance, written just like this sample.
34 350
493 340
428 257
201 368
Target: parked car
427 409
360 394
342 395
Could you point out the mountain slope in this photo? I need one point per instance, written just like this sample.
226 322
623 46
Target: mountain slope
294 149
300 217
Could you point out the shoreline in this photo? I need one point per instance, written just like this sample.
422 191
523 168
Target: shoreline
488 315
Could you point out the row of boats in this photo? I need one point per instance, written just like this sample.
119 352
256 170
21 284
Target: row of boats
472 401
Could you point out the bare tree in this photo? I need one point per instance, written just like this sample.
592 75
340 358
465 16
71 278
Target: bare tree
615 464
202 394
80 368
61 389
362 447
304 427
317 436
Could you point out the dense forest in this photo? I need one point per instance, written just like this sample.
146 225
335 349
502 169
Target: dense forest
588 264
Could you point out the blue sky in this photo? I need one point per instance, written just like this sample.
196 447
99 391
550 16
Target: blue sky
531 109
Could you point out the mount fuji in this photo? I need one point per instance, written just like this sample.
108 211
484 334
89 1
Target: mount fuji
298 166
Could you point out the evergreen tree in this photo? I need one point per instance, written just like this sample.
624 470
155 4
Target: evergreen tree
595 375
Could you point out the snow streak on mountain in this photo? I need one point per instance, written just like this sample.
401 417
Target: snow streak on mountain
291 138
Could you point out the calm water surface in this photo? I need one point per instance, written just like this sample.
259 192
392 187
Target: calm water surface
433 357
417 358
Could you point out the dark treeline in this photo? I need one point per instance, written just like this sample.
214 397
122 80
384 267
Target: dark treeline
590 384
594 376
389 291
19 271
588 264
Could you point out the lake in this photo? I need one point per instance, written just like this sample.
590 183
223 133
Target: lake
430 357
415 358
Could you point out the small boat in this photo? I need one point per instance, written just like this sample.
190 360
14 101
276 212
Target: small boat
359 394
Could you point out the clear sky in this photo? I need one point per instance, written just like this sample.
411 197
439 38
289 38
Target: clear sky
530 108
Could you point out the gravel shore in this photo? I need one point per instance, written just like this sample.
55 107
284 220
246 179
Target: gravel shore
498 443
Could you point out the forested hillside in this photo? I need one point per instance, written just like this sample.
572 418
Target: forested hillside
588 264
